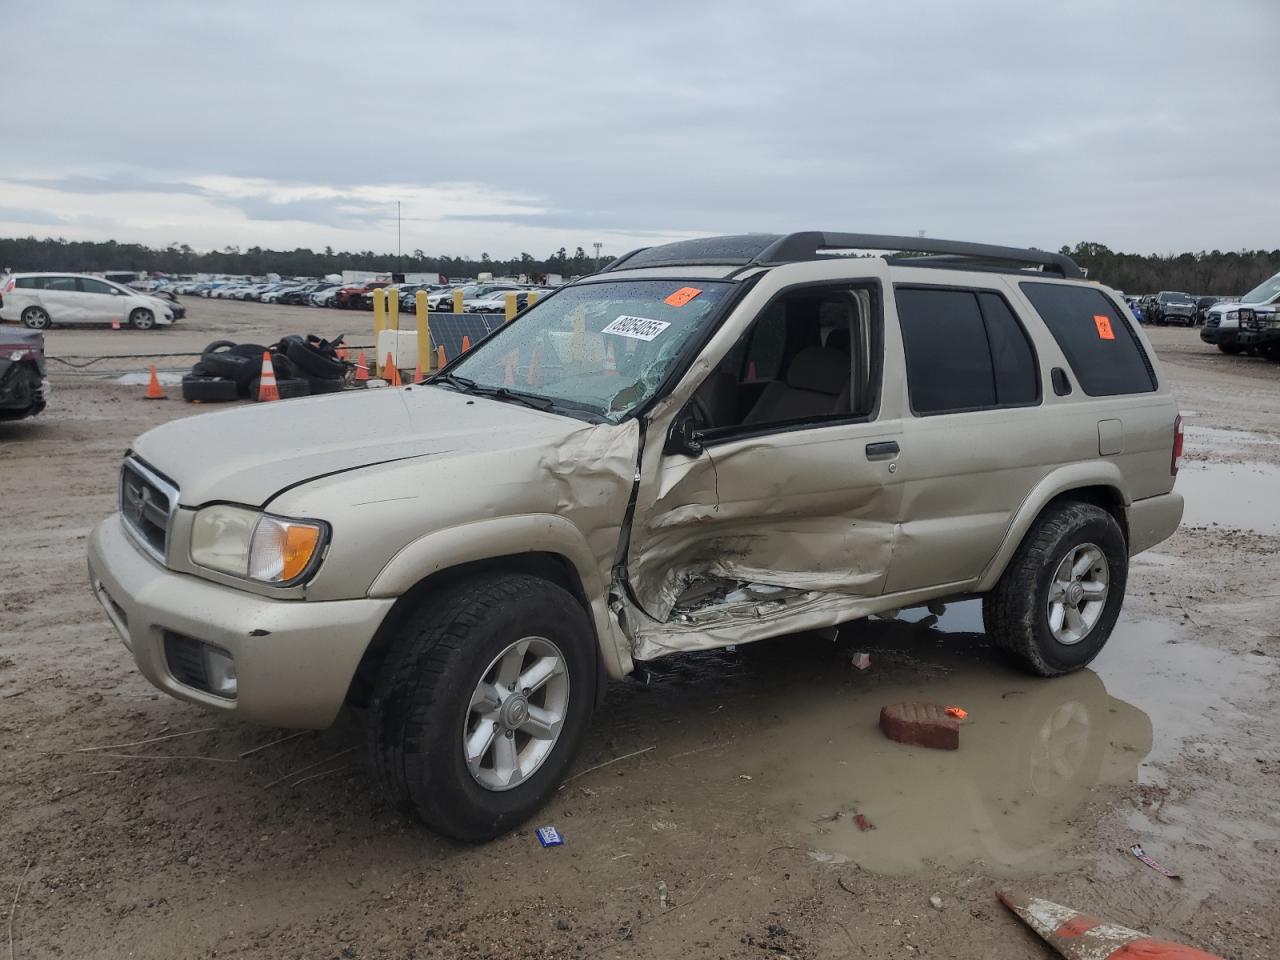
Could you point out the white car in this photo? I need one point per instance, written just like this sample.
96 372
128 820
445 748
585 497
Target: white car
40 300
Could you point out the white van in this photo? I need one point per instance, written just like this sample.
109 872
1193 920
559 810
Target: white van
40 300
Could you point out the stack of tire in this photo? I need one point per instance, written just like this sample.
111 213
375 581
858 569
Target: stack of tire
231 371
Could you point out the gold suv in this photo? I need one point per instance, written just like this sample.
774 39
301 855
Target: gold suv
706 443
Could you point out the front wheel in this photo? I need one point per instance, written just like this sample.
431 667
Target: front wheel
36 318
142 319
482 703
1058 600
1229 348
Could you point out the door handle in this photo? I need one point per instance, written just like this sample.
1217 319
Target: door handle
886 450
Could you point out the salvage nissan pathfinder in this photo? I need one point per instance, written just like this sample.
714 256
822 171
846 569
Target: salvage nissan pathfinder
706 443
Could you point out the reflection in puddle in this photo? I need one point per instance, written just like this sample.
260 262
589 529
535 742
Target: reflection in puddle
1238 495
803 724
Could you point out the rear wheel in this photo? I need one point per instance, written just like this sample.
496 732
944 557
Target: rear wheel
482 704
142 319
1059 598
37 318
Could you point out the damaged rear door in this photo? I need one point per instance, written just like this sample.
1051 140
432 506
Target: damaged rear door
792 499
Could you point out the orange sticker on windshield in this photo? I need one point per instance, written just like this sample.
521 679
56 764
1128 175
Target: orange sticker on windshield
1104 327
683 296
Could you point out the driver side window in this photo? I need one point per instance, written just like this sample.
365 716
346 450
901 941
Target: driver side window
811 355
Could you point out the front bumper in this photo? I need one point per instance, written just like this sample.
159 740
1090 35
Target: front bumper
1227 335
294 659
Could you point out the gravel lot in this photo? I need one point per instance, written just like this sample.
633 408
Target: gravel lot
223 841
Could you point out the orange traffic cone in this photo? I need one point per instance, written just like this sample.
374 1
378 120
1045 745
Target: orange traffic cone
610 363
417 373
1080 937
267 389
441 360
153 388
115 323
362 368
390 373
342 353
510 379
466 343
535 366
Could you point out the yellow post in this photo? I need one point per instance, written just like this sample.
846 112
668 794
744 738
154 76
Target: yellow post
509 307
457 301
379 324
424 329
533 298
393 319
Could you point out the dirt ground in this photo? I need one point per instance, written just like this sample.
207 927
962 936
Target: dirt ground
740 773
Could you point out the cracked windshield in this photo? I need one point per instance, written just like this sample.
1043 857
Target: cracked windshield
599 347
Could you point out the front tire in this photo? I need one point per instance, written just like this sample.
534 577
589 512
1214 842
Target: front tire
1229 348
36 318
142 319
1058 600
482 704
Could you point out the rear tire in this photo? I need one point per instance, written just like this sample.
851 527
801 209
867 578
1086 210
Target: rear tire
36 318
440 711
1019 613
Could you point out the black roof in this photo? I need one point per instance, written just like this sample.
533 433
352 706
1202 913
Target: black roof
769 249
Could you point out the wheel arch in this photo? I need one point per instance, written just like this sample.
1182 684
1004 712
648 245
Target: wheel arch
554 550
1100 484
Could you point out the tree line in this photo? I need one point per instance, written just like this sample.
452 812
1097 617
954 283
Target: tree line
1213 272
82 256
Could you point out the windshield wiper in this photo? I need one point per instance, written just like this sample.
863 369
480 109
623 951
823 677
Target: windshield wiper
461 384
507 395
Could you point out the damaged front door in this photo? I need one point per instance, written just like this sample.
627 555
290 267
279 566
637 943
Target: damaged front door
787 497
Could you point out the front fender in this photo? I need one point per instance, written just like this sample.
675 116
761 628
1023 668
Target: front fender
488 539
1075 476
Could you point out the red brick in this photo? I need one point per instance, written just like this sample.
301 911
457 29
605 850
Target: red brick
920 724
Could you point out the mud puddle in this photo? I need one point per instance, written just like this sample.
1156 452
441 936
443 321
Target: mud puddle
1215 440
1236 495
796 729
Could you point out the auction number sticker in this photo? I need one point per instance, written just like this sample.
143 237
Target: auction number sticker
637 328
1104 327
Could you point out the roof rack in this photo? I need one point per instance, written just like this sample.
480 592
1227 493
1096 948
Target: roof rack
772 250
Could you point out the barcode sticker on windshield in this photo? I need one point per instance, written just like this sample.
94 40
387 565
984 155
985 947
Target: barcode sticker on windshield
637 328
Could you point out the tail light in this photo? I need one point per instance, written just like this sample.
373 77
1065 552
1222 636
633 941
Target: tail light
1176 461
8 287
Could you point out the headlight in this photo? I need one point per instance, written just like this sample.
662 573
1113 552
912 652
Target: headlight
256 546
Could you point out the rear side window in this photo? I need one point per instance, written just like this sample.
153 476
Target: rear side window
1097 341
27 283
965 350
63 284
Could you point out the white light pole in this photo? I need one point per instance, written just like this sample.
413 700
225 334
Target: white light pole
597 246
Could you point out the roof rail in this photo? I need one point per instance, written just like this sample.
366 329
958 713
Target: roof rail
773 250
816 245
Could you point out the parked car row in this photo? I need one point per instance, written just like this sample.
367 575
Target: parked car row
486 297
1171 307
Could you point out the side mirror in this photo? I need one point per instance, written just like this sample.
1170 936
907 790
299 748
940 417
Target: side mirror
684 437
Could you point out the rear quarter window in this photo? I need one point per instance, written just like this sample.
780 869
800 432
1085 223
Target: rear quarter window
1098 342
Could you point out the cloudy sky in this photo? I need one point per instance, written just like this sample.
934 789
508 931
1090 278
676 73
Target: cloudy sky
1148 125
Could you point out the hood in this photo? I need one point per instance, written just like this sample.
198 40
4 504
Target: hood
249 454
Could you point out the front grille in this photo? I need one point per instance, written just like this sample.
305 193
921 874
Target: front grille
185 660
147 502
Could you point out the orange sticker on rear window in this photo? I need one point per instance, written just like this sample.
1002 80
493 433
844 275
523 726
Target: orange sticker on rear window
1104 327
683 296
